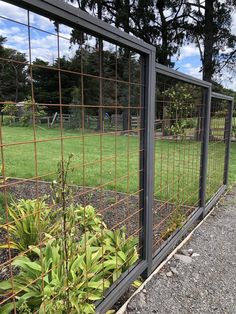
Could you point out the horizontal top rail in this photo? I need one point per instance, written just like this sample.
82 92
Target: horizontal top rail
161 69
221 96
72 16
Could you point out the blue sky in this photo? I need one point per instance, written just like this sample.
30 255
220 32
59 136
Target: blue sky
44 45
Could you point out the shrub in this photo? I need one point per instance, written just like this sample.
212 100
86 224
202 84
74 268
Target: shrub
180 102
177 129
70 280
220 113
29 222
68 273
10 109
8 120
27 114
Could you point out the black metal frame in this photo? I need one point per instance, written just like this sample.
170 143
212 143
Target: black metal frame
204 207
228 130
169 244
74 17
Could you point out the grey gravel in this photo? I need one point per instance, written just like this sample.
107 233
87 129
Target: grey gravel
207 284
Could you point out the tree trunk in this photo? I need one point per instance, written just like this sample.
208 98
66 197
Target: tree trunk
163 57
208 64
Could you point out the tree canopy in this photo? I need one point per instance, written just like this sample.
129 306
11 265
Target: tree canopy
168 24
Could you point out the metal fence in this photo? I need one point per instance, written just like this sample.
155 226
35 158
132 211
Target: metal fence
107 158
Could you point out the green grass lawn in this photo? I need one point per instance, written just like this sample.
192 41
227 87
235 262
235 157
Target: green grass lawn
113 161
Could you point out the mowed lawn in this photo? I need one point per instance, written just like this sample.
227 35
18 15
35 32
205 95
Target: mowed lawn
112 162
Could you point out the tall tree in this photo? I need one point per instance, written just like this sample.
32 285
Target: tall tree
160 23
210 28
13 74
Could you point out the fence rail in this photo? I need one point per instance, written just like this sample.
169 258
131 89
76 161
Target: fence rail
107 159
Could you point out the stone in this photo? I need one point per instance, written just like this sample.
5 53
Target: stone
183 258
195 255
174 270
184 252
169 274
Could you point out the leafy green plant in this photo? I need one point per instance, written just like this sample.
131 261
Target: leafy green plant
67 274
176 221
178 109
180 102
87 218
221 113
177 129
86 281
10 109
8 120
190 123
94 263
29 223
28 108
122 252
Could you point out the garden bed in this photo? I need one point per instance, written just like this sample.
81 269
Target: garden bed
117 209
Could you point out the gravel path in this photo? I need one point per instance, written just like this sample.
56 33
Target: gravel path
201 277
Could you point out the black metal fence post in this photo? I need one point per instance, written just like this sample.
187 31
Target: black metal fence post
149 78
228 130
204 148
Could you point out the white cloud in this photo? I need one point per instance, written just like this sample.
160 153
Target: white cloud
75 3
43 45
231 85
187 65
189 50
13 12
191 70
42 23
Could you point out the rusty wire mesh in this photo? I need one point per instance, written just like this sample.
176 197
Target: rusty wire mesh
72 137
217 145
178 136
70 146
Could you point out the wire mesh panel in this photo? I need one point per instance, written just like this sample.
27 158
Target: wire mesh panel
80 215
71 135
218 139
178 138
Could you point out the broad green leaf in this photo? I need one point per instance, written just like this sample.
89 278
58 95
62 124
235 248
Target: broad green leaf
5 285
7 308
